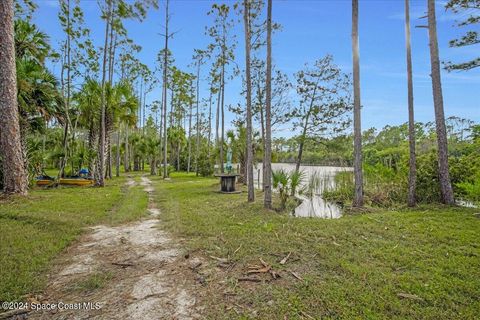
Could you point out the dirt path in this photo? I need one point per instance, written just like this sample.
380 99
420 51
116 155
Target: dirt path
133 271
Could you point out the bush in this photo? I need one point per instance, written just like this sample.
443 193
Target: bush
384 186
286 183
206 165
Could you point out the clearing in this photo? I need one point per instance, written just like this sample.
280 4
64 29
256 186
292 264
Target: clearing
151 249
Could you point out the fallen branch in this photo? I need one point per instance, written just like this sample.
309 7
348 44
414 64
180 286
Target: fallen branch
275 275
264 263
251 279
306 315
296 276
219 259
123 264
195 266
234 252
284 260
261 270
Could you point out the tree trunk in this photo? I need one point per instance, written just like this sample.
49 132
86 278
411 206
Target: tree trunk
304 132
165 65
357 129
101 152
300 153
209 124
197 144
160 137
262 129
189 138
117 161
412 176
153 166
126 164
14 171
444 176
178 157
63 162
246 19
268 127
217 120
110 158
222 110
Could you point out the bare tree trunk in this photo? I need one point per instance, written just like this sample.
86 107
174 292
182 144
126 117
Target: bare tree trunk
444 176
217 120
246 19
178 157
268 127
189 138
101 175
110 159
357 128
144 109
222 110
262 129
165 65
126 164
304 132
300 150
14 171
117 162
197 144
161 136
209 124
412 176
63 162
153 166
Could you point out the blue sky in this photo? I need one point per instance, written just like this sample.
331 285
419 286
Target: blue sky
310 30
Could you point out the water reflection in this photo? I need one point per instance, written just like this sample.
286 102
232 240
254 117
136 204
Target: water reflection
317 179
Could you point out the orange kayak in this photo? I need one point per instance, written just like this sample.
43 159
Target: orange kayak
76 182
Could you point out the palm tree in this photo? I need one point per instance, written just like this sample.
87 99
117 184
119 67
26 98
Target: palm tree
444 176
88 101
357 129
14 171
30 42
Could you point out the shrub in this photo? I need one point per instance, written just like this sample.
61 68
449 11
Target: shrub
286 184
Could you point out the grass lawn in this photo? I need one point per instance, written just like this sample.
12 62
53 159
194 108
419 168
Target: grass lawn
406 264
34 229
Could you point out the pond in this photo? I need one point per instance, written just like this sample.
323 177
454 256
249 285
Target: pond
314 206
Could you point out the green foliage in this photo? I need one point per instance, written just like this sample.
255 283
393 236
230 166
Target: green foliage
325 102
286 184
471 190
280 179
386 165
206 164
469 11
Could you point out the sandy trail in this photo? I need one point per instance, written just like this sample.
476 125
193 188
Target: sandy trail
136 270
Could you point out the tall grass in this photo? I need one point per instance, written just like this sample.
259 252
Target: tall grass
383 186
